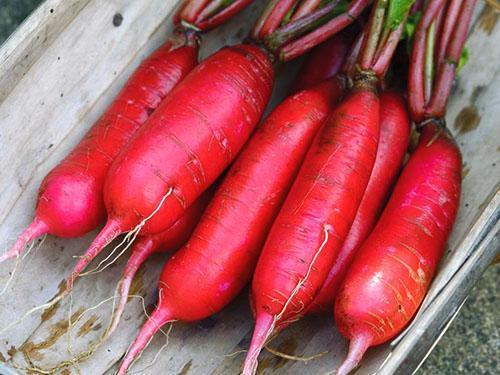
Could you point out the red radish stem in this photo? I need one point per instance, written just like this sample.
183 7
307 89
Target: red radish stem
166 241
273 16
392 271
305 7
70 201
323 62
321 206
399 258
187 143
206 14
217 262
394 138
449 50
293 39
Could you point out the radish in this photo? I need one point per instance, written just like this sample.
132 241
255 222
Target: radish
70 198
218 260
319 210
199 129
166 241
393 269
394 139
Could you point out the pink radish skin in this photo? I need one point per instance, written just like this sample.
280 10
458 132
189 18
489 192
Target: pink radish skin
166 241
392 271
394 139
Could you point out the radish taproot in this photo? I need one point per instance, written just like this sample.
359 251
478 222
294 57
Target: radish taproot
70 198
218 260
393 142
169 240
319 210
393 269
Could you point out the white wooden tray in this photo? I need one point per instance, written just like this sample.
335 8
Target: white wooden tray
58 73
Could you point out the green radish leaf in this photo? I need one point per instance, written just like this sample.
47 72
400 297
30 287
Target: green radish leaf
464 58
411 25
397 12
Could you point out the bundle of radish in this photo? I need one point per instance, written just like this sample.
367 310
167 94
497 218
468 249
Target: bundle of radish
199 129
70 199
321 206
393 269
218 260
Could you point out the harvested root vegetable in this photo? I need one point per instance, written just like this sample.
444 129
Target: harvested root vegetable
316 217
392 271
393 142
187 143
218 260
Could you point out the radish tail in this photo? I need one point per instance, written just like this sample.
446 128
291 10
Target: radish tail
264 327
111 230
357 348
157 319
140 252
37 228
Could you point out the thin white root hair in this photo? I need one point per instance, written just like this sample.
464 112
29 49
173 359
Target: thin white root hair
157 355
301 282
31 311
130 238
18 262
234 353
277 353
166 334
80 357
296 290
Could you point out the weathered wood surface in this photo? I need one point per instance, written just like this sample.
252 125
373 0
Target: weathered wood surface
48 103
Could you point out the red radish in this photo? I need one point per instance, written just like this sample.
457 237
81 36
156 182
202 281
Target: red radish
315 217
166 241
319 210
392 271
391 274
393 142
323 62
189 140
70 199
217 262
